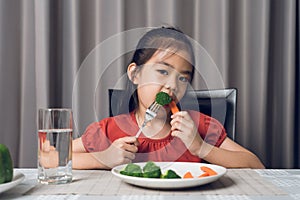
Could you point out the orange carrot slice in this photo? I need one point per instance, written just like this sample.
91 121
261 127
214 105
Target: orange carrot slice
173 107
204 175
210 171
188 175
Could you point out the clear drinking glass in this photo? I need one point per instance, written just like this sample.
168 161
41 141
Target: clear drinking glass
55 131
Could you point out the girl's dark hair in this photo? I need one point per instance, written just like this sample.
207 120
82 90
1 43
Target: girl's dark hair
161 38
164 38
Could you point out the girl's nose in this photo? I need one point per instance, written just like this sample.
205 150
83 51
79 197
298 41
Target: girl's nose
171 85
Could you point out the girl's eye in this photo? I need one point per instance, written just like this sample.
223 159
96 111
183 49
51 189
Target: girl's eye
183 79
163 72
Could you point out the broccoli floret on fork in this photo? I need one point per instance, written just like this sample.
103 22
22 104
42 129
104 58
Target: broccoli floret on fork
163 98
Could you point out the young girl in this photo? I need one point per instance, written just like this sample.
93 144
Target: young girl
163 61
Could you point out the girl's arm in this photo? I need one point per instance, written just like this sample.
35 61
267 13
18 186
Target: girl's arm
86 161
229 154
121 151
82 159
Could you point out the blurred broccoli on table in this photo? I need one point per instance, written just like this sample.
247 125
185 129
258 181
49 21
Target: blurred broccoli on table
132 170
151 170
163 98
170 174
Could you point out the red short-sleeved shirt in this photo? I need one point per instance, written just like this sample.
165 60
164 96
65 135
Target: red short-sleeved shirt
99 135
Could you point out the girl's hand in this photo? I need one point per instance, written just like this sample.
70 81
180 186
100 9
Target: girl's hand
48 156
121 151
183 127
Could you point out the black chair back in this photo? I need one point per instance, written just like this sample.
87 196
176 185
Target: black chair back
219 104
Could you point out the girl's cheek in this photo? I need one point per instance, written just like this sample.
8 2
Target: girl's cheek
152 81
180 93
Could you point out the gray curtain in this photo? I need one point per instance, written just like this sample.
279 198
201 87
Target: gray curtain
46 47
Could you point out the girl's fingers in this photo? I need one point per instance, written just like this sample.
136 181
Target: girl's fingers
129 139
128 144
132 140
180 114
179 123
176 134
182 117
130 147
127 160
129 155
176 126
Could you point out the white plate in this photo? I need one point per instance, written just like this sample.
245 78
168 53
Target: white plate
18 178
180 168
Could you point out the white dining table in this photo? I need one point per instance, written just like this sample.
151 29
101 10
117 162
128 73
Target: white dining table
236 184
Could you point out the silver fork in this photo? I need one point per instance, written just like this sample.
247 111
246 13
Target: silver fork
151 112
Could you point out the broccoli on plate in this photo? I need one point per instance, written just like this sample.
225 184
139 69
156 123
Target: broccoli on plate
170 174
132 170
151 170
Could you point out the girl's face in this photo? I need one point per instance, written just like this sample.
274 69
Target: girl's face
164 71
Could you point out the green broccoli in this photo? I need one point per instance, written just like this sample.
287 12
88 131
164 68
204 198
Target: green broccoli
170 174
132 170
163 98
151 170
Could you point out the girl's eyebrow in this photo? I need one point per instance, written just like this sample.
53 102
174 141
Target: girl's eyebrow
169 65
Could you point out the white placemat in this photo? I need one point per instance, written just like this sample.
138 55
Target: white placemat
235 182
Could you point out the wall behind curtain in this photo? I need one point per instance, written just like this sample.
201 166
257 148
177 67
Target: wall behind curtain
44 45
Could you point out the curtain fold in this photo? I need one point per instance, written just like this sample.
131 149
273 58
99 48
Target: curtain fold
55 54
297 89
281 70
248 69
10 70
27 110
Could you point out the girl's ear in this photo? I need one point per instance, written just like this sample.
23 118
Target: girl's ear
132 72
